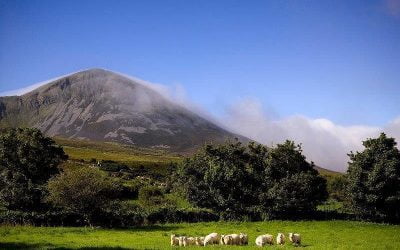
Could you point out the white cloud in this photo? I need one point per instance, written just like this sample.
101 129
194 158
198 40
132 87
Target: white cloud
324 142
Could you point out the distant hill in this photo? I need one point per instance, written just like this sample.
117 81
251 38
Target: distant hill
101 105
327 172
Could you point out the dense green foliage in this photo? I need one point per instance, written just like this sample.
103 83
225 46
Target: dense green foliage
336 186
315 235
84 191
27 160
251 181
374 179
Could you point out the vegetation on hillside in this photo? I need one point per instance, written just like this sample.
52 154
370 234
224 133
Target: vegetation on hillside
112 185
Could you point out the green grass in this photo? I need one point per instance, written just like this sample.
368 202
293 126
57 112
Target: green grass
87 150
315 235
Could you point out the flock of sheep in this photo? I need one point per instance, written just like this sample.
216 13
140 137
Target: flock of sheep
233 239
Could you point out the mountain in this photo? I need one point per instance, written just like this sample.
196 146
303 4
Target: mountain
101 105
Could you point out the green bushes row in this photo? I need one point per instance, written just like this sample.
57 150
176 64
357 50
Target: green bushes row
118 217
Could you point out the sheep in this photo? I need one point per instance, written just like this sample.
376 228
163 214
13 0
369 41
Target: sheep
236 240
244 239
191 241
264 239
212 238
182 241
186 241
225 240
295 238
174 240
280 239
199 241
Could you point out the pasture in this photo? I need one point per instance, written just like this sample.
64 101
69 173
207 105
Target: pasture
315 235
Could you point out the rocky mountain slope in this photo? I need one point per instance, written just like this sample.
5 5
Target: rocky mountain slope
101 105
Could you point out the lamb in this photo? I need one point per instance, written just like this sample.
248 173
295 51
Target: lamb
280 239
174 240
244 239
295 238
199 241
212 238
262 240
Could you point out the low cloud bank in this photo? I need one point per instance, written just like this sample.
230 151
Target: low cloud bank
325 143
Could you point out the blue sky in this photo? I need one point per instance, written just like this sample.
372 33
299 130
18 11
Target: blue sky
338 60
322 73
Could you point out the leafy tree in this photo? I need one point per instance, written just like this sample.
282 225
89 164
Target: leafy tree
27 161
291 186
82 190
374 179
236 180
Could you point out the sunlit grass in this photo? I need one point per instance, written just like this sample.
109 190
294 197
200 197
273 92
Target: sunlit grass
315 234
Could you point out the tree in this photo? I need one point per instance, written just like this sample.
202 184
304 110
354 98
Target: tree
374 179
82 190
252 180
291 186
27 161
215 178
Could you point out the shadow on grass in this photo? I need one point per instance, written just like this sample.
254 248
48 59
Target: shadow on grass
14 245
152 228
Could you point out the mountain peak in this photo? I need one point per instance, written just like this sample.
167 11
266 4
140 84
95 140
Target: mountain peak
98 104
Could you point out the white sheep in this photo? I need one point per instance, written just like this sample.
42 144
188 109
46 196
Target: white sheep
182 241
191 241
264 239
295 238
225 240
199 241
174 240
212 238
236 240
244 239
280 239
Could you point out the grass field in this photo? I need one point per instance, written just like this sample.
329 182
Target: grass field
315 235
87 150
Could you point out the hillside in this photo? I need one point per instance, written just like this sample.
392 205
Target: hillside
101 105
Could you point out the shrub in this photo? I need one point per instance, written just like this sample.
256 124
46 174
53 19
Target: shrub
85 191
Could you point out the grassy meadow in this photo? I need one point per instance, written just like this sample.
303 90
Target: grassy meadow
87 150
315 235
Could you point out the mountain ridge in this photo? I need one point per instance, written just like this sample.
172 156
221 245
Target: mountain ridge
102 105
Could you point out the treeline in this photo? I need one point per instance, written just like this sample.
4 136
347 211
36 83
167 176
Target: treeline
220 182
252 182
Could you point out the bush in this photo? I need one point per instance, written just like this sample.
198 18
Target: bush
84 191
251 182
